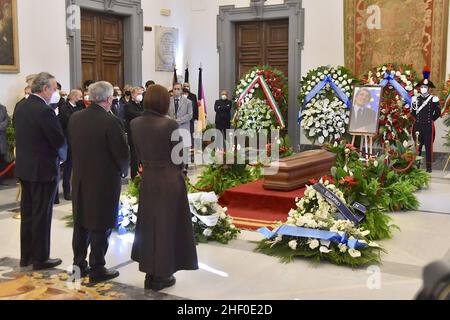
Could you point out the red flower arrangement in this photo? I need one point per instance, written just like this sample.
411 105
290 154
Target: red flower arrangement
348 180
396 121
276 80
330 179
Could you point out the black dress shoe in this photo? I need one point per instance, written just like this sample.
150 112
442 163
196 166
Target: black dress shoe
84 271
68 197
49 264
25 263
56 200
102 275
157 284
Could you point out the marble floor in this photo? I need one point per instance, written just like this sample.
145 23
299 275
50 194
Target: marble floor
236 272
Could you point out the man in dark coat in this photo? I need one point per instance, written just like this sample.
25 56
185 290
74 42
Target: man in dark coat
67 109
99 155
222 108
426 110
38 139
132 110
193 97
164 240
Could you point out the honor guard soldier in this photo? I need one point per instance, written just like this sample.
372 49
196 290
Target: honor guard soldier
426 110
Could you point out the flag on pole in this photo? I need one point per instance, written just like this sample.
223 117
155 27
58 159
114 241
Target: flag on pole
186 74
175 77
201 102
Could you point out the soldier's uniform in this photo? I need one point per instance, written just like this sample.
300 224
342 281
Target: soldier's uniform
426 109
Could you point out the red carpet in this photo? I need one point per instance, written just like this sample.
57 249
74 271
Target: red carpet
253 207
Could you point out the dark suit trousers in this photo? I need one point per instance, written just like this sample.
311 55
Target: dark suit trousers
426 138
36 207
134 163
98 240
67 174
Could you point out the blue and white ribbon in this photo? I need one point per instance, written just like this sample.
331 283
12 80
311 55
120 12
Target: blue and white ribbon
389 79
294 231
322 84
334 200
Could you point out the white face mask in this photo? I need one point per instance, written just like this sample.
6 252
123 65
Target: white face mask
86 98
139 98
224 97
26 96
55 98
424 90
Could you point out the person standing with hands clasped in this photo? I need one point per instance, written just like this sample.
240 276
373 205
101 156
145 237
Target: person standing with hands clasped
426 110
223 113
164 239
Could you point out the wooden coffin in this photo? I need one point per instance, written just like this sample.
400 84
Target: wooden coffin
294 172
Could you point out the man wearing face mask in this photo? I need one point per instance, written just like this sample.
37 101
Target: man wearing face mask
132 110
38 136
193 97
55 100
181 111
426 110
100 158
69 107
223 113
119 103
84 103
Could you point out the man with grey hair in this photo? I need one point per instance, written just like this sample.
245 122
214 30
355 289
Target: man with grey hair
38 139
100 158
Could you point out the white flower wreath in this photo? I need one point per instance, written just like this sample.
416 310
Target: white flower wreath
255 114
326 117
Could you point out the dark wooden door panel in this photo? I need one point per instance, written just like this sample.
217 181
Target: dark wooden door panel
262 43
102 47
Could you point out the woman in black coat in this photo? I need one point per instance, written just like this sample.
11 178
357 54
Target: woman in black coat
164 240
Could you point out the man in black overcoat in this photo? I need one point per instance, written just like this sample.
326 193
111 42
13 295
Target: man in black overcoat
38 138
100 158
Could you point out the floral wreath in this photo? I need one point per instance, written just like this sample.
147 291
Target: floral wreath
314 212
325 118
254 111
395 121
210 221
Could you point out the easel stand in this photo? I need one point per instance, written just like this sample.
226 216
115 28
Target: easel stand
446 164
366 143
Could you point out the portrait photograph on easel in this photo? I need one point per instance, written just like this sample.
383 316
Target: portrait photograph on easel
365 111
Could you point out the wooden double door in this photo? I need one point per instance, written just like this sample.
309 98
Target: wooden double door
262 43
102 51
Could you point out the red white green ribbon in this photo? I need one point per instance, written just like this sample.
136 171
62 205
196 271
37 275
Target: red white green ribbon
270 99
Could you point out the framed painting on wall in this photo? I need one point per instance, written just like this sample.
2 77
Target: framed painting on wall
411 32
9 45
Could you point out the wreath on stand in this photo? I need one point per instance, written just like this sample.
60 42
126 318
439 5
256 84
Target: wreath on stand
396 121
261 98
325 116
